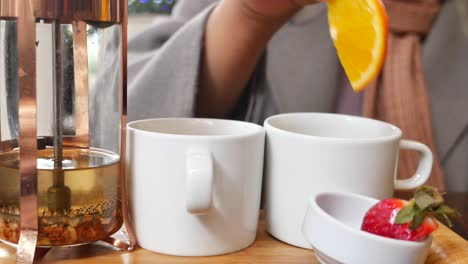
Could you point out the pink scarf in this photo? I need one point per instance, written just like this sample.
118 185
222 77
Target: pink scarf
400 95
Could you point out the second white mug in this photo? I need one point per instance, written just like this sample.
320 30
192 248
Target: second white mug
308 153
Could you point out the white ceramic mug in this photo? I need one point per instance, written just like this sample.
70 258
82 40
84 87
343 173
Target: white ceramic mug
194 184
307 153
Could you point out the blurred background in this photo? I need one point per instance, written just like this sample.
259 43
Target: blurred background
143 12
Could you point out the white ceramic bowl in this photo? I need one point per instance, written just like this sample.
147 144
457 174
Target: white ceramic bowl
332 226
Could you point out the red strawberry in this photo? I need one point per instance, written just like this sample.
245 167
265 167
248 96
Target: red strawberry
413 221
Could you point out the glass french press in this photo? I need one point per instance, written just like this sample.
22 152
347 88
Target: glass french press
62 115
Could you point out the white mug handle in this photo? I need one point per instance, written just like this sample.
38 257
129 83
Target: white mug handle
199 182
424 167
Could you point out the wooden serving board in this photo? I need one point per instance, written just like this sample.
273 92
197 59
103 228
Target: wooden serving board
447 248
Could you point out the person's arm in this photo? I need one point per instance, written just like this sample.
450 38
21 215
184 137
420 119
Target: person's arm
236 35
164 62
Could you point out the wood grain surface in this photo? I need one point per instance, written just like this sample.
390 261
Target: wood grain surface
447 248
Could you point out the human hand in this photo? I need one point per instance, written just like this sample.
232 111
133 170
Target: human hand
229 62
274 9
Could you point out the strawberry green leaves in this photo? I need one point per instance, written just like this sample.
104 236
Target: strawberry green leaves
427 201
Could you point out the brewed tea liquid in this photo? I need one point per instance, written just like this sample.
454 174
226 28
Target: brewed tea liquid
93 178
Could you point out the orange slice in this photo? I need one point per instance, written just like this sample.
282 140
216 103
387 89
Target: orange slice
359 30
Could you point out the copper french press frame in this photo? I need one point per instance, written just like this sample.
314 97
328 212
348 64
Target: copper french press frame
79 12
